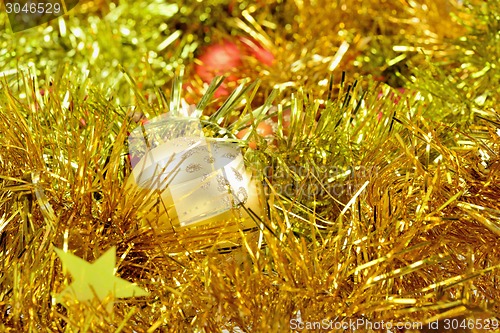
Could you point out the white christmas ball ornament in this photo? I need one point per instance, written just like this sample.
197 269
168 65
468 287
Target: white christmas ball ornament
188 180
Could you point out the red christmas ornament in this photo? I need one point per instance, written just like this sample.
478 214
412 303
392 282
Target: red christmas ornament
226 58
264 129
219 59
267 129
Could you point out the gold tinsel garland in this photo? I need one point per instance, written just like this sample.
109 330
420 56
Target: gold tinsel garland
382 204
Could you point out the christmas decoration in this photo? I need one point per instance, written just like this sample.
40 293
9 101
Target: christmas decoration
96 279
219 59
198 181
227 58
267 128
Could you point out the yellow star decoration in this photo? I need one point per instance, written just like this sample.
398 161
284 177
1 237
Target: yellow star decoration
96 279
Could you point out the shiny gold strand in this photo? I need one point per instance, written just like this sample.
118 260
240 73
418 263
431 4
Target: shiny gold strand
358 37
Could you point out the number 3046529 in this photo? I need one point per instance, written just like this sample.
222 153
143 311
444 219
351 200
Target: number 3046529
33 8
